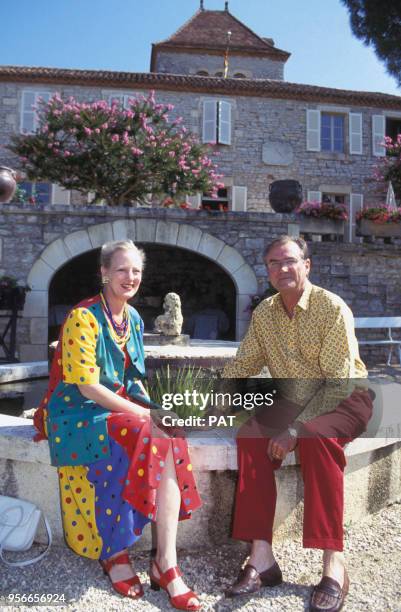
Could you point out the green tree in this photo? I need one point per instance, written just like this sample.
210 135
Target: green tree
122 155
378 23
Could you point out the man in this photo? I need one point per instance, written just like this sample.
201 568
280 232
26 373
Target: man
305 333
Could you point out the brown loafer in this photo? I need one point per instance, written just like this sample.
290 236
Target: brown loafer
328 596
251 581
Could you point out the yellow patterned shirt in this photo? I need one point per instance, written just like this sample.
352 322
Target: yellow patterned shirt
319 342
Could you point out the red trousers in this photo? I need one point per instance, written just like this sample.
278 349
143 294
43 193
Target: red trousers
322 465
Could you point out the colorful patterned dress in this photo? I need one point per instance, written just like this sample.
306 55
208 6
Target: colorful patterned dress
109 464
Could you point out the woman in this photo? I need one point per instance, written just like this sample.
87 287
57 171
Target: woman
115 476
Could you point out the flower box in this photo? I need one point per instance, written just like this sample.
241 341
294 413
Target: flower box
366 227
321 226
12 298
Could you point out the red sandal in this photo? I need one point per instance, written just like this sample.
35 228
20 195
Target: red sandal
123 586
180 602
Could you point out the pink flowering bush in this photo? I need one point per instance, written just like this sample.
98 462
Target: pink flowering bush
122 155
389 167
325 210
380 214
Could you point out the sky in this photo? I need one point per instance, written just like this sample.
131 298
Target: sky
117 35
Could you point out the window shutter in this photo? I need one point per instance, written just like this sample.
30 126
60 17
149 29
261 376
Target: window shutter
356 204
239 199
378 134
314 196
224 122
27 112
313 130
209 131
41 95
355 133
194 201
126 98
60 196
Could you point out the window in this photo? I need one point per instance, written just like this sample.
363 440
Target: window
325 131
332 133
123 99
333 198
29 118
239 75
218 74
219 203
228 198
326 197
216 122
40 191
393 127
202 73
383 126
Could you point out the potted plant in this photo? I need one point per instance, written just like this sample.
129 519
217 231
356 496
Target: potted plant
12 295
379 220
322 218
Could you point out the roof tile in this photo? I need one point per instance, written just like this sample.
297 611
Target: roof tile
268 88
208 30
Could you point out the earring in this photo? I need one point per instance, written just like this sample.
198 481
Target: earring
105 280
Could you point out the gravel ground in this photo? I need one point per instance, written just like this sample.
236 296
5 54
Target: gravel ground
373 551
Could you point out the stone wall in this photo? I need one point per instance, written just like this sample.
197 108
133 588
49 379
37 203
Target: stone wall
260 128
37 242
189 63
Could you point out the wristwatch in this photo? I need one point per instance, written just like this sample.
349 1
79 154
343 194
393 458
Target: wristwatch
292 431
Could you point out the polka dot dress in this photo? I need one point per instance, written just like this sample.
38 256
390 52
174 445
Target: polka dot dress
110 465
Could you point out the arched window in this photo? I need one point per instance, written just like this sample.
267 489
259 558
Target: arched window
218 74
202 73
239 75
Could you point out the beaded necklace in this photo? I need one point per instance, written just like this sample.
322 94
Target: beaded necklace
120 331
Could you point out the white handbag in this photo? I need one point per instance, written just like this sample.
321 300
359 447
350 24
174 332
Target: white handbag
19 520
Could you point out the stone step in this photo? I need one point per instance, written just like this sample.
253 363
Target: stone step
373 478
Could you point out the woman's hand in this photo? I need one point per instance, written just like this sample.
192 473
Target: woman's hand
111 401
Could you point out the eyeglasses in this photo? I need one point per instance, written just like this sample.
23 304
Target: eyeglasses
284 263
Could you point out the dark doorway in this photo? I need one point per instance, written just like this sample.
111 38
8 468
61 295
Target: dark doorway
205 289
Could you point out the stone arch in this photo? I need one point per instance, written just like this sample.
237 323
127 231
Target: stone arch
155 231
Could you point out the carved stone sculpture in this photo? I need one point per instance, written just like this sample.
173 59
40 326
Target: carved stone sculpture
170 323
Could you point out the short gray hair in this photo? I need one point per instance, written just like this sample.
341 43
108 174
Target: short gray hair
109 248
300 242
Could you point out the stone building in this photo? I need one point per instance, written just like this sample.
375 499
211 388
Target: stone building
264 129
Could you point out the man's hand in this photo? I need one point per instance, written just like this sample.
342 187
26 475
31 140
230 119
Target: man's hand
279 446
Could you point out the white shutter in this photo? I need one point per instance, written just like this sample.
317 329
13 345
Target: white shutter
314 196
126 98
313 130
60 196
194 201
356 204
209 132
27 112
378 134
239 199
224 122
355 133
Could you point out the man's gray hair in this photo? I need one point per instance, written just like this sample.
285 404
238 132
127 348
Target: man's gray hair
300 242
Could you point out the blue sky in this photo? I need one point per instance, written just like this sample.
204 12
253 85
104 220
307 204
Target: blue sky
117 35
